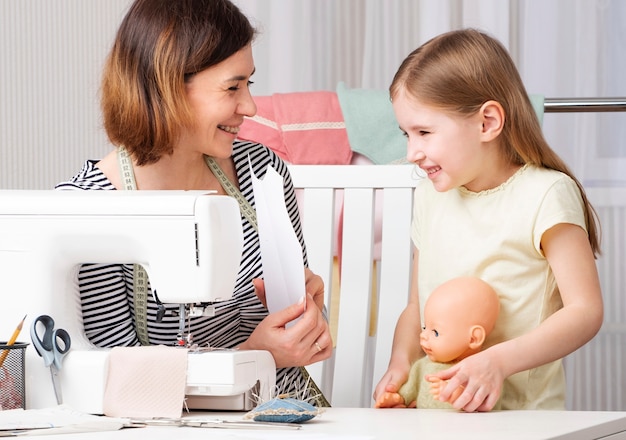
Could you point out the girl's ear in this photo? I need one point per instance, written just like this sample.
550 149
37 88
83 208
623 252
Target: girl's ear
493 120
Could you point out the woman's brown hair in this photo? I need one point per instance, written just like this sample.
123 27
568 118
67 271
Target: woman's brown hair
160 44
458 72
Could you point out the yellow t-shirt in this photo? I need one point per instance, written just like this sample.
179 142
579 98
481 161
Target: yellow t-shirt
496 235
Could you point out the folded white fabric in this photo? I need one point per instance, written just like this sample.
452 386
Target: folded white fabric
146 382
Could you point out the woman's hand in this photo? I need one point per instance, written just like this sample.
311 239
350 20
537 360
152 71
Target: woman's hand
313 285
479 376
305 342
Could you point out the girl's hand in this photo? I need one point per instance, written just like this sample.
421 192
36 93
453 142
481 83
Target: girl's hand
392 400
479 376
305 342
390 383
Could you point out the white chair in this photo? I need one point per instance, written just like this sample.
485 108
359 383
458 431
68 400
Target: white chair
372 287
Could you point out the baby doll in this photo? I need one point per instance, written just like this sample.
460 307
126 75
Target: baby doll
458 316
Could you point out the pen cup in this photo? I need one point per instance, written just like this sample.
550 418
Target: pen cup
12 376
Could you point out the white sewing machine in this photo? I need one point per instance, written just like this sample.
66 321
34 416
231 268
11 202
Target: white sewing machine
190 244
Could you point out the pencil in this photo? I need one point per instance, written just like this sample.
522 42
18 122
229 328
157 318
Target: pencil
14 336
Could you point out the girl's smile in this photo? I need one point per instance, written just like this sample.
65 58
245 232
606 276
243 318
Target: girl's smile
453 150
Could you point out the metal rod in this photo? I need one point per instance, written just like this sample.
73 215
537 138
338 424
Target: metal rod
571 105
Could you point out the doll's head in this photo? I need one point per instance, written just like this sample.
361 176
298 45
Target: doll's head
458 316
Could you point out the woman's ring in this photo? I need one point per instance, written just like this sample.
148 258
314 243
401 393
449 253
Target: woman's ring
318 347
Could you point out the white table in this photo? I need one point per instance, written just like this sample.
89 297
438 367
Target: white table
366 423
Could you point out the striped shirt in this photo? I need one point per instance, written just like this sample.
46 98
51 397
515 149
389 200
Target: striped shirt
106 290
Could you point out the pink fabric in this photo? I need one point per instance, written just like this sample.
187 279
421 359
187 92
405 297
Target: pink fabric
147 381
302 127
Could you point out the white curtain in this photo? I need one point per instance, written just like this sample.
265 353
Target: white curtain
52 54
563 49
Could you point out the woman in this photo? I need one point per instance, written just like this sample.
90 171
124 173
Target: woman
175 91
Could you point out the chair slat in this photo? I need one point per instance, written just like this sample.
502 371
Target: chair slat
353 196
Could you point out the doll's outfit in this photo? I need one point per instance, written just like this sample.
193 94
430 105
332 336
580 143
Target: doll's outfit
417 388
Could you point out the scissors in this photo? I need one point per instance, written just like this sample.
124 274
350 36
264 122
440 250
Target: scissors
50 350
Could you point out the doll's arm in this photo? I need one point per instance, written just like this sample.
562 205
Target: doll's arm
436 385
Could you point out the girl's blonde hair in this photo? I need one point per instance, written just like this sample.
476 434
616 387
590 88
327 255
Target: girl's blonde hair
458 72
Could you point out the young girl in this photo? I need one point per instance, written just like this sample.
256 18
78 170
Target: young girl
500 205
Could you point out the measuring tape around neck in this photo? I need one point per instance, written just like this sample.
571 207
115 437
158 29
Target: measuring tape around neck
140 277
231 190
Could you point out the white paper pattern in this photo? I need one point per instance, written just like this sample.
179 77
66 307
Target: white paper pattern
281 253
